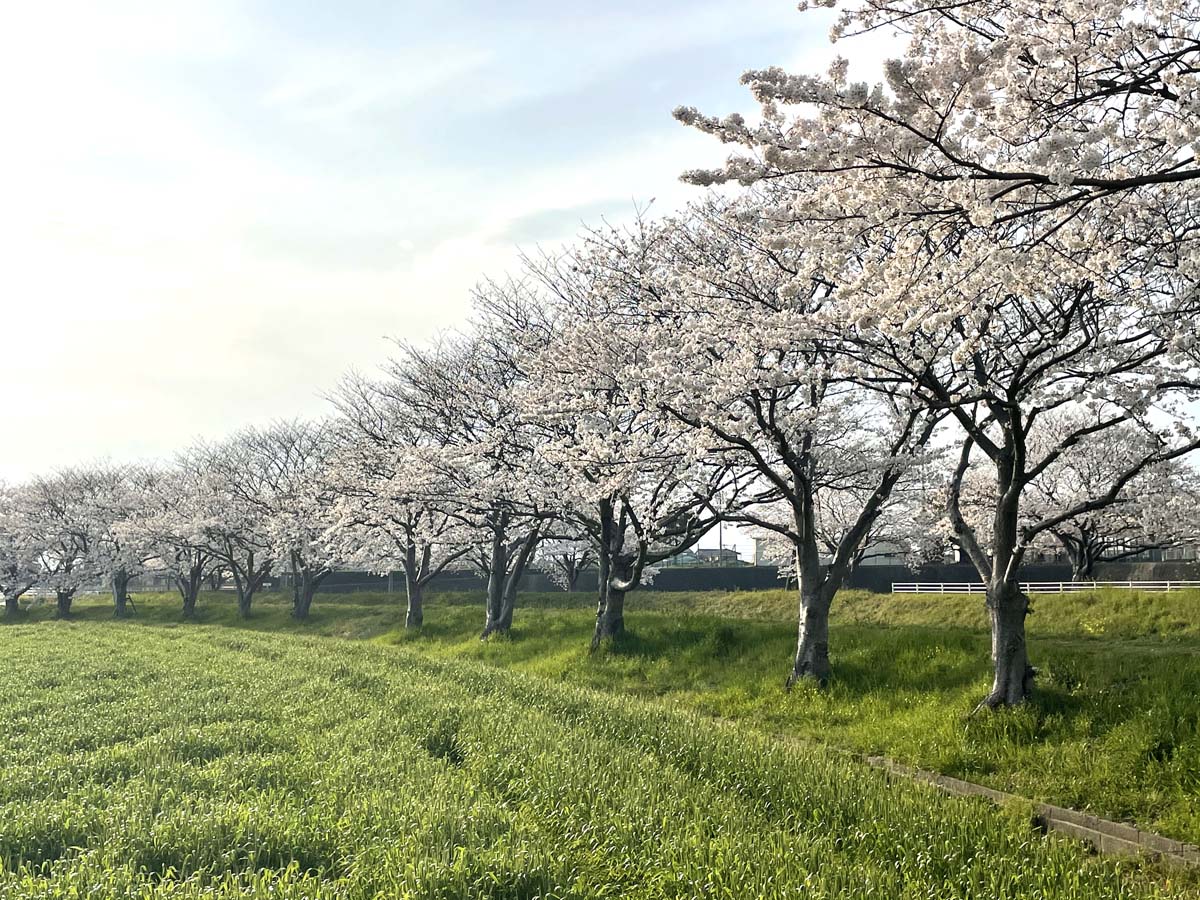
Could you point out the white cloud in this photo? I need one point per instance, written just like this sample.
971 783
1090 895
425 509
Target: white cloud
179 261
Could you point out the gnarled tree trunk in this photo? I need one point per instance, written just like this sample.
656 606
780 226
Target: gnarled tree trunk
1012 675
503 579
497 567
812 641
189 602
302 597
304 587
414 617
120 593
1080 552
610 616
245 598
1083 570
189 589
63 603
12 604
817 585
618 575
248 577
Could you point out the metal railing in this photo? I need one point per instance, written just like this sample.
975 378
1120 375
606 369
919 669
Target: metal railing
1038 587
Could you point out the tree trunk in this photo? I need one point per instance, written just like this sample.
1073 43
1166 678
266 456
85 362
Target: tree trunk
12 604
499 615
1079 555
248 578
497 566
1081 570
812 642
245 597
615 569
817 585
189 589
610 622
502 624
120 593
304 588
63 601
1084 568
610 613
1012 679
1007 605
302 598
415 616
500 607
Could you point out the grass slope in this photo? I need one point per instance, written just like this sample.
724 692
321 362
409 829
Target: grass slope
199 761
1113 727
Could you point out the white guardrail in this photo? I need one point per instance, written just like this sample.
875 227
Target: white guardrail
1037 587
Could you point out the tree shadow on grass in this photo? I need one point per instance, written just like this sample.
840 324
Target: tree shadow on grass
695 639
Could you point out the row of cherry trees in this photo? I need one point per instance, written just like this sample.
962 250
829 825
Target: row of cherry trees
956 307
1002 235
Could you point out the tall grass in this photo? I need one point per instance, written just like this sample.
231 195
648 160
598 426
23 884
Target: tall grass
209 762
1113 728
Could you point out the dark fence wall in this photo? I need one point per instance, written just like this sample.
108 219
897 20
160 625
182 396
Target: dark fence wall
753 578
348 582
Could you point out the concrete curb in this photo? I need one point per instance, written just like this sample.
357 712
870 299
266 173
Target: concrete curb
1110 838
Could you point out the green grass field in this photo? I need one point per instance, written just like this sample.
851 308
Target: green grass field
150 758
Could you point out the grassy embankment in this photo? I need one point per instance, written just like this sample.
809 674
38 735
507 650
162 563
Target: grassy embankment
196 761
1114 728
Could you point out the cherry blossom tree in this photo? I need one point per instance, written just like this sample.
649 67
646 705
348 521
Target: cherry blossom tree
60 518
1034 360
739 356
564 559
1009 224
233 480
458 393
114 495
283 481
19 550
173 524
392 497
622 472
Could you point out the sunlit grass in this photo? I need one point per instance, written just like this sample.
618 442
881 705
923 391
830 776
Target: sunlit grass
1113 727
202 761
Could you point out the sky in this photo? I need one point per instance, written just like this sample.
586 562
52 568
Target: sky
212 210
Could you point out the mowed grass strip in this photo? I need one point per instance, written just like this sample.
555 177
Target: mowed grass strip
202 762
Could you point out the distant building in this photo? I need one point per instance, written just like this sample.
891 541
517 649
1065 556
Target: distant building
724 556
704 556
